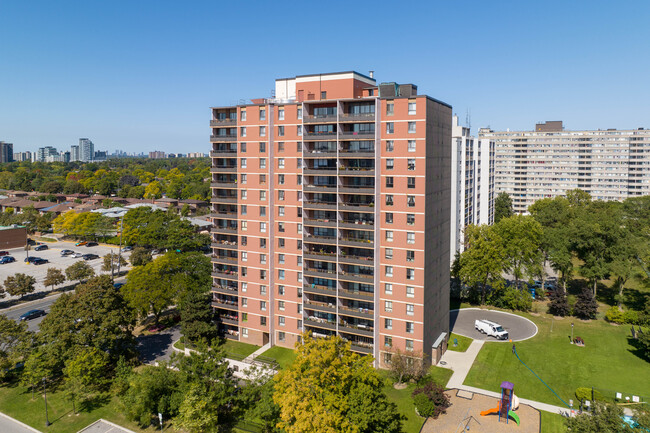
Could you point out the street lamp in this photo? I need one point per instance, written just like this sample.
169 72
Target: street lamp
571 332
47 419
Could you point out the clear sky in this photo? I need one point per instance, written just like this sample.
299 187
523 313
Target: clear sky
140 75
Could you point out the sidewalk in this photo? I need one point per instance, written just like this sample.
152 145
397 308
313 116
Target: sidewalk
257 353
461 363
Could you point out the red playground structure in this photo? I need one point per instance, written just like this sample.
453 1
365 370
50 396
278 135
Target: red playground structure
508 404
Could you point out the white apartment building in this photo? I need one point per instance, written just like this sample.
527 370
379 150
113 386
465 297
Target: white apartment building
608 164
86 150
472 183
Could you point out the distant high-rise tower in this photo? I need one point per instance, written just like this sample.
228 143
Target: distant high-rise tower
43 153
6 152
86 150
75 155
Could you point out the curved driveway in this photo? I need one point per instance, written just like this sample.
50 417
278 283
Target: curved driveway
519 328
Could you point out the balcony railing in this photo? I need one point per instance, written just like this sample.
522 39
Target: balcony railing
224 137
223 122
356 134
321 118
321 135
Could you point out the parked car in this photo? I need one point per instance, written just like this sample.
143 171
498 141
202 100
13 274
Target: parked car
40 261
32 314
7 259
154 252
91 244
31 259
41 247
491 329
4 253
66 252
76 255
90 256
80 243
127 248
118 285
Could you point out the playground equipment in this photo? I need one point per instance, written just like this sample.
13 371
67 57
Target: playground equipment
508 404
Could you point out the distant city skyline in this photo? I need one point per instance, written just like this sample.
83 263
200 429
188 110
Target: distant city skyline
143 76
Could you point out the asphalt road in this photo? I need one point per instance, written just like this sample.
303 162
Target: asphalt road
53 254
41 304
519 328
158 346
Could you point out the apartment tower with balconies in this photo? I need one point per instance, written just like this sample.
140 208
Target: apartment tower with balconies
330 209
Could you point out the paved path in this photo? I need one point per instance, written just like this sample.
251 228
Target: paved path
257 353
158 346
10 425
103 426
519 328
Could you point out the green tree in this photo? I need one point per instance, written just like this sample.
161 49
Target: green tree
330 389
521 236
112 261
559 304
140 256
603 418
20 285
502 207
258 400
14 339
197 317
79 271
586 306
483 261
578 198
153 190
53 278
85 375
40 365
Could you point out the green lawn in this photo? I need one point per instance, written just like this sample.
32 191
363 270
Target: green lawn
238 348
607 362
16 401
552 423
440 375
402 398
283 356
463 342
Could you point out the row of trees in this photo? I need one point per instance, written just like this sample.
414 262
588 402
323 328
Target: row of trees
179 178
604 239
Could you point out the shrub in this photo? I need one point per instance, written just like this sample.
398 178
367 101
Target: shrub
631 317
559 305
614 315
511 298
586 306
583 394
430 400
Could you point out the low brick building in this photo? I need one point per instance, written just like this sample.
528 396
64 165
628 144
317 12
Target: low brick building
12 237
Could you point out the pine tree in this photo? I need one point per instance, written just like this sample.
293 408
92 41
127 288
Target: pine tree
559 305
586 306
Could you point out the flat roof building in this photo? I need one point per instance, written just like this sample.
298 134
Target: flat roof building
330 210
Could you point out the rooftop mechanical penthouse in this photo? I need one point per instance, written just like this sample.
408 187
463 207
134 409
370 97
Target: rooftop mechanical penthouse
330 209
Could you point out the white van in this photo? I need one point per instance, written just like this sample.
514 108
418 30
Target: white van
491 329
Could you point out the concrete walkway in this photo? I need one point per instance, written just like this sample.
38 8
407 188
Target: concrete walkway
461 363
257 353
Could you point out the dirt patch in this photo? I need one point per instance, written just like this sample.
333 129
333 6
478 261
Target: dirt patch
465 413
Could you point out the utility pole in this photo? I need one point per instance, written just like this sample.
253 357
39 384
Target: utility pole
47 419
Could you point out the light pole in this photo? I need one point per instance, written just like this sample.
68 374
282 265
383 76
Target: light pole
47 419
571 332
119 254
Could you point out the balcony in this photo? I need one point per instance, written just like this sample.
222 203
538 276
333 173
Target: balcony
318 322
357 117
224 290
320 290
360 347
224 184
226 245
223 138
319 255
226 318
317 204
320 273
356 171
224 229
316 239
316 151
356 260
321 118
320 306
226 275
358 224
356 277
315 222
358 189
215 123
324 135
226 260
358 295
224 169
328 188
320 171
363 313
224 304
224 199
356 135
365 330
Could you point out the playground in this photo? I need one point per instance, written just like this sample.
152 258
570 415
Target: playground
464 415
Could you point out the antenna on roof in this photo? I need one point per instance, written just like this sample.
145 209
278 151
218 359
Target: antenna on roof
468 119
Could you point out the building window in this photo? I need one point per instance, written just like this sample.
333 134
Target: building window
388 323
281 320
263 320
262 113
389 217
263 176
390 146
299 130
412 109
299 277
244 271
281 290
263 290
410 182
244 287
410 219
299 261
389 236
323 95
390 108
280 131
244 194
263 305
281 274
410 274
243 208
262 131
280 242
263 227
390 128
410 256
244 241
281 113
411 127
388 341
281 227
244 225
410 309
410 328
244 331
242 146
388 288
262 147
280 162
242 162
299 228
281 305
389 271
242 131
410 163
388 356
280 194
281 211
244 256
242 115
389 253
410 292
299 113
389 199
389 181
244 179
263 277
281 335
262 242
299 146
281 146
390 163
388 306
244 302
409 345
299 179
281 179
263 259
410 237
410 200
411 145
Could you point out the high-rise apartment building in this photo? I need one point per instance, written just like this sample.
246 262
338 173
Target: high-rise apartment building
157 154
331 214
6 152
75 154
45 153
23 156
608 164
86 150
472 183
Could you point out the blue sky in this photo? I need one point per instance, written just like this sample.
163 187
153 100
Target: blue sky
141 75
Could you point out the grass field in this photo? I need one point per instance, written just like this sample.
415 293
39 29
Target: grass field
16 401
284 357
552 423
239 348
402 398
463 342
607 362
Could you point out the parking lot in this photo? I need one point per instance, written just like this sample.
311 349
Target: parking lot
53 254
